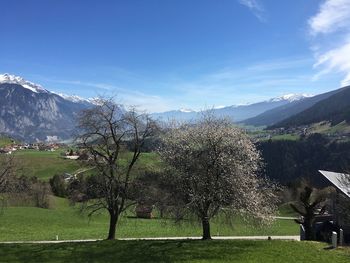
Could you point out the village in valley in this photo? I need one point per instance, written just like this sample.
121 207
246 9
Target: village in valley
9 149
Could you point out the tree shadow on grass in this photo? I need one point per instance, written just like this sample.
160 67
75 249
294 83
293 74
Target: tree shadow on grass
161 251
127 251
164 218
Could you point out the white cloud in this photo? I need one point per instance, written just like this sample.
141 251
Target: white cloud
346 80
127 97
219 87
332 16
335 60
256 8
280 64
101 86
146 102
231 86
330 29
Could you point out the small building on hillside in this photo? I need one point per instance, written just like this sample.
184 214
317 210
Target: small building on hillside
5 151
144 211
72 157
341 201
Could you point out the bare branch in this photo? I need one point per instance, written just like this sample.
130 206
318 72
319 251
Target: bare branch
106 130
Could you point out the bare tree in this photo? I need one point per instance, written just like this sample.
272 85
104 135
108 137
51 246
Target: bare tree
154 189
7 169
21 190
310 203
215 165
105 131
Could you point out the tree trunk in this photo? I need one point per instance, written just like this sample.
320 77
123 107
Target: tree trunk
309 231
206 228
113 219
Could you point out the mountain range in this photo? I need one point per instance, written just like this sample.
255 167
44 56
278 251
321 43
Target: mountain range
30 112
236 113
335 108
275 115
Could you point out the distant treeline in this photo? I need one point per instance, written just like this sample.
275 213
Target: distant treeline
287 161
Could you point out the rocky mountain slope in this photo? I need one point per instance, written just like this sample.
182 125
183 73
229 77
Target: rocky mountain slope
31 113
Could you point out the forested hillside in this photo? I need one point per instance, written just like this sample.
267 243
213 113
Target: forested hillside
283 112
334 109
287 161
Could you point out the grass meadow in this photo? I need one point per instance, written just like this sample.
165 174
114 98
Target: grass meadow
44 164
68 222
175 251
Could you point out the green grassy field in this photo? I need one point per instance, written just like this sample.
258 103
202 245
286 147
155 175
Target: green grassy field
175 251
290 137
326 128
30 223
4 141
264 136
286 210
44 164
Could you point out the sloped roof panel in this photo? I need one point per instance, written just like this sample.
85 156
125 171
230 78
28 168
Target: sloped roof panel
339 180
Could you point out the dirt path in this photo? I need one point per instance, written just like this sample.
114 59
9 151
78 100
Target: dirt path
295 238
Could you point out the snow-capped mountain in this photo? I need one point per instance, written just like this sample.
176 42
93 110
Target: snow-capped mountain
292 97
278 114
12 79
235 112
77 99
72 98
30 112
186 110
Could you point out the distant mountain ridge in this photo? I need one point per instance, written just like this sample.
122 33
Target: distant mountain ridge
31 113
335 109
277 114
235 112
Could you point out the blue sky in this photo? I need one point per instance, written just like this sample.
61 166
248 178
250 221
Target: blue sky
170 54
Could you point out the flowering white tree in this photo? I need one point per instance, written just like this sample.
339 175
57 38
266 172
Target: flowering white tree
215 165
